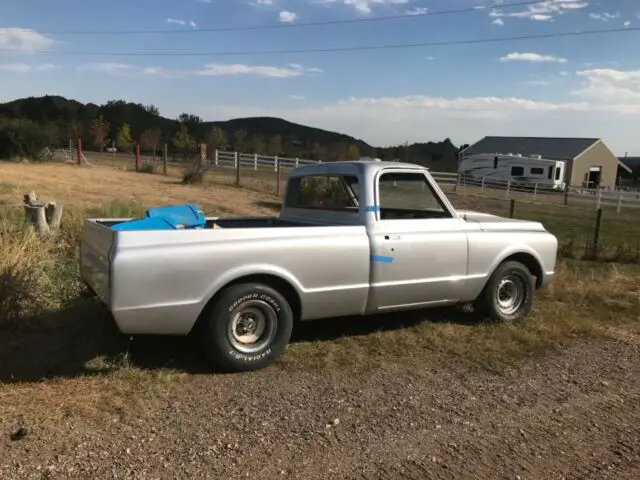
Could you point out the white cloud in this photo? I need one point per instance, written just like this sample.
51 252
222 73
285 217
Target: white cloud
429 57
292 70
364 6
616 90
532 57
26 68
564 73
604 16
126 69
212 69
183 23
627 24
498 21
417 11
297 97
538 83
24 39
287 16
262 2
541 12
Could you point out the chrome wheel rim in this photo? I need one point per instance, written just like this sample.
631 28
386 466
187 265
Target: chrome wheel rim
510 294
252 327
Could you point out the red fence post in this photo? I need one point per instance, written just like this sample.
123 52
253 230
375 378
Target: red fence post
137 156
79 150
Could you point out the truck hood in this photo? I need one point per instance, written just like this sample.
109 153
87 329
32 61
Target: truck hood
490 222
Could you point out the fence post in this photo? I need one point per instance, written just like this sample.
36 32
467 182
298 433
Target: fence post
137 156
278 176
566 195
255 161
237 163
297 161
203 154
215 157
79 150
512 207
113 150
619 206
482 184
508 186
457 184
275 163
598 198
535 190
596 234
165 158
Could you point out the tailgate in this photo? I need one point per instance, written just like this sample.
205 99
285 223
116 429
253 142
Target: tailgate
95 260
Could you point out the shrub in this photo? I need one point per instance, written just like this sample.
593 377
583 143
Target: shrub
193 174
148 167
22 138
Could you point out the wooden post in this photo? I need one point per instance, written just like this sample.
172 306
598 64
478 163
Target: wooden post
255 161
237 162
619 206
113 150
275 163
165 158
596 234
512 207
45 219
482 184
138 157
598 198
566 195
215 158
203 154
508 186
278 177
79 150
535 190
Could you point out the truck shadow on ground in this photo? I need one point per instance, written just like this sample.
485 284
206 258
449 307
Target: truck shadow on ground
82 340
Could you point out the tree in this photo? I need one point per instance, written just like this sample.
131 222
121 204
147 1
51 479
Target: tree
217 139
239 140
275 145
352 152
183 140
21 138
152 109
256 144
99 131
150 138
123 137
317 151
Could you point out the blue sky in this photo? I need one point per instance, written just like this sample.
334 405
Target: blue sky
567 86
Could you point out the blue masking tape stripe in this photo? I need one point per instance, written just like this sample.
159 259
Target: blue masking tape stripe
372 208
381 259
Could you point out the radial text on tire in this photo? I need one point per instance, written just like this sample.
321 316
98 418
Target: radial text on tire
247 328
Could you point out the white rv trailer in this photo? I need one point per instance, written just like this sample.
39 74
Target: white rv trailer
517 168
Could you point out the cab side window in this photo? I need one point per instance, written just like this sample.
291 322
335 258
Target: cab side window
408 195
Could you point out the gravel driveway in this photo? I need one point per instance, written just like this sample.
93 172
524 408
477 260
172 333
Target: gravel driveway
571 414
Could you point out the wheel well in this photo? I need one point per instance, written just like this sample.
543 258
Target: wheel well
530 262
273 281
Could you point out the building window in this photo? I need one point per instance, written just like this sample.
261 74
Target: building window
550 175
517 171
558 174
537 171
495 162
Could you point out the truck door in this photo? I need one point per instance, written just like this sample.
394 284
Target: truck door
418 244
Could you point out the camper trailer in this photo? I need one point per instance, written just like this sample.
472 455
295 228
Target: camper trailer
518 169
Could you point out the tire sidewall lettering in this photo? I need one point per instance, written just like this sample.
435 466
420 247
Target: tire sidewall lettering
235 305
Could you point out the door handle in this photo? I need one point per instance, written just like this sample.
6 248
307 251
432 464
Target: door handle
392 237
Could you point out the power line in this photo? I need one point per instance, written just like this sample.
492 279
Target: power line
293 25
331 49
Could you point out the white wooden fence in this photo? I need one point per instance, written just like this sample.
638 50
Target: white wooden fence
460 183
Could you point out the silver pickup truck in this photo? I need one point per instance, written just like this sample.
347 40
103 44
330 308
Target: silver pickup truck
352 238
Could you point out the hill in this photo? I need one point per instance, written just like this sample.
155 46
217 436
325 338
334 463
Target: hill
100 125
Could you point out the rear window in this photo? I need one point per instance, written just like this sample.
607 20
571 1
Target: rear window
324 192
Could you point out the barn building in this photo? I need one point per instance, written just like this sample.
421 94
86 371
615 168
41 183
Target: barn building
589 162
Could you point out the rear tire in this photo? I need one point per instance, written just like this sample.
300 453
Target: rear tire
508 295
248 327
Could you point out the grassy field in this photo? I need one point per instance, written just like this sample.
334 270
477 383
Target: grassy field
40 287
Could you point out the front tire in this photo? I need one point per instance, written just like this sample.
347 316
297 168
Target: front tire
508 295
248 327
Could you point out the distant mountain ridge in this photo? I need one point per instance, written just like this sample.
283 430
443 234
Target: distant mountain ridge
68 118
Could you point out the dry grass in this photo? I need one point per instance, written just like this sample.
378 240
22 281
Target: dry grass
48 331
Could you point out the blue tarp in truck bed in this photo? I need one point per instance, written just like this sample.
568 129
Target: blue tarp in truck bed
172 217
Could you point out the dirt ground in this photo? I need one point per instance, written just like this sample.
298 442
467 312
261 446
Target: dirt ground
574 414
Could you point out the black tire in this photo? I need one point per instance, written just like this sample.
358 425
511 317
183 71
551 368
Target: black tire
222 327
508 277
